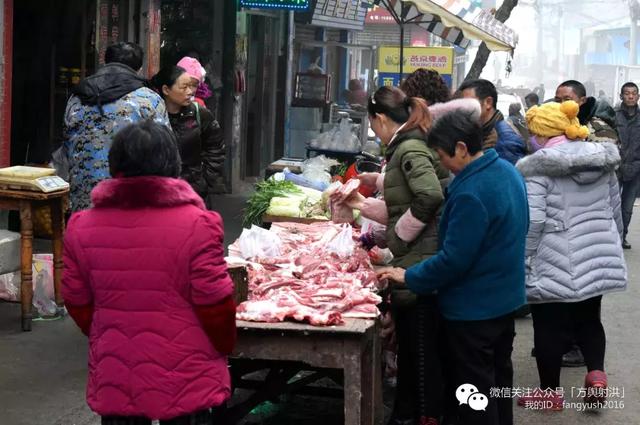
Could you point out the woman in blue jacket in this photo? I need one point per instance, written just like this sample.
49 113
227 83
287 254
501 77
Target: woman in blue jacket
479 268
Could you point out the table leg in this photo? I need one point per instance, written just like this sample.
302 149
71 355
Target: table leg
57 224
376 363
26 285
353 396
372 407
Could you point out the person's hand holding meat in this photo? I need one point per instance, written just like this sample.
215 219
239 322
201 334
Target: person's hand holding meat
349 195
355 200
369 180
392 274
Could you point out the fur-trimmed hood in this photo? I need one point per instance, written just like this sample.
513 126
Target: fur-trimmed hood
585 162
594 108
142 192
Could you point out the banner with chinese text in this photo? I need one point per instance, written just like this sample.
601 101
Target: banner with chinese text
436 58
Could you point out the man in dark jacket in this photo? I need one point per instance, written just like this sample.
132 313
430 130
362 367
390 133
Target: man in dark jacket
100 106
628 125
517 121
497 133
531 100
598 116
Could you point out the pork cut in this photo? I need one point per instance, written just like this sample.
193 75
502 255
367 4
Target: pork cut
308 283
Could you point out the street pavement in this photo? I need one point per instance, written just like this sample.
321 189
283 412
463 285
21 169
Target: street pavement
43 372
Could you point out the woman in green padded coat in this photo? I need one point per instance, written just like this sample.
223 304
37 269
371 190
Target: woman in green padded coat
412 188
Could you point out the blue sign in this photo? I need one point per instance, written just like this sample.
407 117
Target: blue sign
393 79
276 4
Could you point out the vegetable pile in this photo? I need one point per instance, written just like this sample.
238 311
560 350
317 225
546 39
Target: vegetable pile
258 203
283 199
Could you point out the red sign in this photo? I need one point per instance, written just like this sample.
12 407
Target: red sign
379 15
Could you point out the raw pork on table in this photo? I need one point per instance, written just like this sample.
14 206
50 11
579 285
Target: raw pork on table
309 281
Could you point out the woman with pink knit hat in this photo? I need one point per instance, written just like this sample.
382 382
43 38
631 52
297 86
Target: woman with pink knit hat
200 138
197 73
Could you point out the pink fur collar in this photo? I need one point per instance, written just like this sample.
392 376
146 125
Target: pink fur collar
141 192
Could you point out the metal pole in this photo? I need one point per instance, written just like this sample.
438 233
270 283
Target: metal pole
400 21
401 51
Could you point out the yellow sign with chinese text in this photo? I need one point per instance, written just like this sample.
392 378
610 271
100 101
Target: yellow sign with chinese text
436 58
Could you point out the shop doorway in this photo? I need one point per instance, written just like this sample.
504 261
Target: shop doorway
56 43
261 96
47 34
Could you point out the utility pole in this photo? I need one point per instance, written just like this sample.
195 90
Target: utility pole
542 60
560 45
634 9
502 14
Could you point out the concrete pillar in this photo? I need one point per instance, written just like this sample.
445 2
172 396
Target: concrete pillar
232 103
152 42
288 90
6 68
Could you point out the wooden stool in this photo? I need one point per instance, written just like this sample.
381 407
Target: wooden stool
26 201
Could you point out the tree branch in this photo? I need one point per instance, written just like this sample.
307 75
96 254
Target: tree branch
502 14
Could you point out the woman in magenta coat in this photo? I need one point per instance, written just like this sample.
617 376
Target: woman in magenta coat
145 279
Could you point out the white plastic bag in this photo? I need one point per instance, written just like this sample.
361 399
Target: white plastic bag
43 291
317 169
319 162
340 138
259 242
343 243
10 286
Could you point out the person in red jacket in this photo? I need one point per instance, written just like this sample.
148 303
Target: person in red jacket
145 279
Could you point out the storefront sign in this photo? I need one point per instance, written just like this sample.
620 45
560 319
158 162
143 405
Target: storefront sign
276 4
380 15
341 14
436 58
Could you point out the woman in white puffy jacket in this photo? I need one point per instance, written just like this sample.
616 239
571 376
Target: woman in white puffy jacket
574 251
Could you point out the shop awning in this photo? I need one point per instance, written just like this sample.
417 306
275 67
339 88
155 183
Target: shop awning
457 21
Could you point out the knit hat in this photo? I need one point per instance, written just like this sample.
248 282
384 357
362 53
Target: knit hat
555 119
193 68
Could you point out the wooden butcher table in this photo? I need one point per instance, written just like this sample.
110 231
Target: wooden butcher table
285 349
26 202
